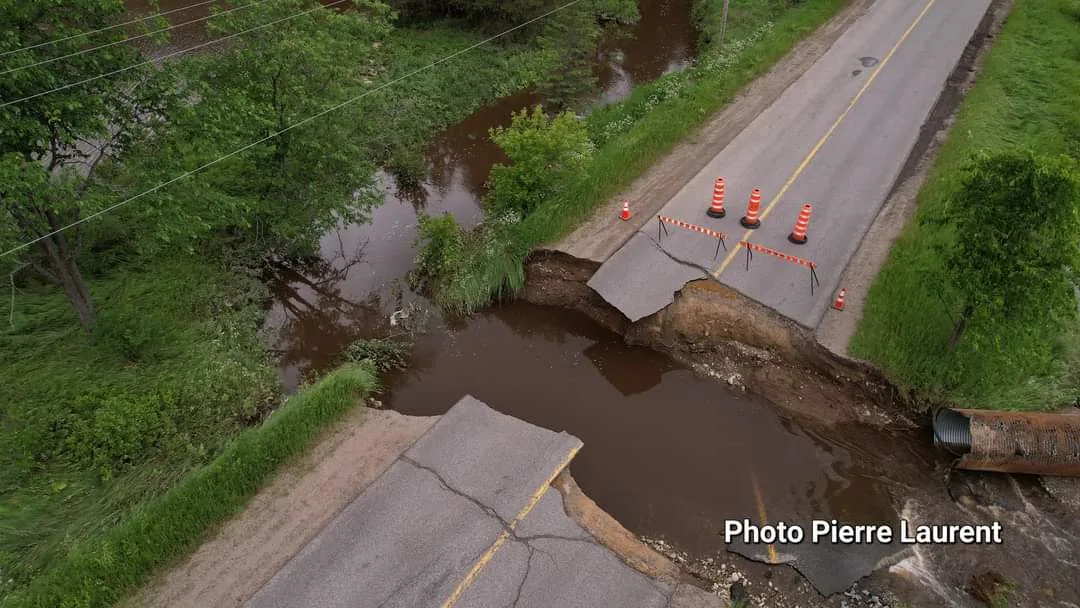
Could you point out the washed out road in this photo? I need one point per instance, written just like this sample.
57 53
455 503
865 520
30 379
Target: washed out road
837 138
467 517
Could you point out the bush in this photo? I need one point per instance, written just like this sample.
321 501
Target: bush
547 154
441 246
386 354
112 433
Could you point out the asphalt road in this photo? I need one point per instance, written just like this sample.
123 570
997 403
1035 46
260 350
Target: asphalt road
837 139
467 517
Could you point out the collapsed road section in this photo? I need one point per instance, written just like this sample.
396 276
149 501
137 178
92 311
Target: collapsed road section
467 516
837 138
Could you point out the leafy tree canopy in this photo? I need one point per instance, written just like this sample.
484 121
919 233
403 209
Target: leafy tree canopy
1017 217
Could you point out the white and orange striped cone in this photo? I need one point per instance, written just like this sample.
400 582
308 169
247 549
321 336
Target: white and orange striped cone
717 208
625 215
798 235
839 303
750 220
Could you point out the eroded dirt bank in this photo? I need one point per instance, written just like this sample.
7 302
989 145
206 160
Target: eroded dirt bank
724 334
741 343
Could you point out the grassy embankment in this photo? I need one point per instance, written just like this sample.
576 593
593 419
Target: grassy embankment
121 448
1027 96
632 135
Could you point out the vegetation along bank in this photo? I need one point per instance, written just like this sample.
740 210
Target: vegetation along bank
132 360
976 303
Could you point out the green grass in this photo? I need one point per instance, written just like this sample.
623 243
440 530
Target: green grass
1027 96
93 425
637 132
404 116
99 570
101 433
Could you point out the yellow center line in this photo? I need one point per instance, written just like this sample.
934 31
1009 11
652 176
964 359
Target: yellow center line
505 534
773 558
824 138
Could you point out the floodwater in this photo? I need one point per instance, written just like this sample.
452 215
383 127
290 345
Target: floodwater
668 453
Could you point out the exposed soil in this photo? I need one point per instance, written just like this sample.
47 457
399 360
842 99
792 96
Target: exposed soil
248 550
723 334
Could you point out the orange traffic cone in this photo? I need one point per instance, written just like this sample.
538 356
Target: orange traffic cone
839 303
750 220
717 207
798 236
625 215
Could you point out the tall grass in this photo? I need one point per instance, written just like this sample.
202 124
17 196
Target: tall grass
635 133
99 570
92 425
1027 96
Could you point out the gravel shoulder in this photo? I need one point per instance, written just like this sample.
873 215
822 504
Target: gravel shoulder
240 557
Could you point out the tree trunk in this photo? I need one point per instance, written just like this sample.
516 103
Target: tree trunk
65 271
723 24
961 325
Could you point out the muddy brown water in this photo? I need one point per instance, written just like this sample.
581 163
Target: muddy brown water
668 453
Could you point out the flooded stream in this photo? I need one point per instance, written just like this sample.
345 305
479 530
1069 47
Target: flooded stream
668 453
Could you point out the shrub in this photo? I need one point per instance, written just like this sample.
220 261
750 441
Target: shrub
386 354
112 433
546 155
441 246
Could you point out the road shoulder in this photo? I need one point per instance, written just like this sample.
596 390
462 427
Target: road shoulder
246 552
602 235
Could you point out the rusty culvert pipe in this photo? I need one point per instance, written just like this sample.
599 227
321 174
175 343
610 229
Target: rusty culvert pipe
1010 442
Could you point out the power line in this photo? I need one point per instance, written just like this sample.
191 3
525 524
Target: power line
168 55
116 42
334 108
105 29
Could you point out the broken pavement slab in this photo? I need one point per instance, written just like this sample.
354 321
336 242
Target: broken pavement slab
829 567
466 516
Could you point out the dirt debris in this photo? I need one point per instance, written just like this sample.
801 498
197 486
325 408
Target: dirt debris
722 334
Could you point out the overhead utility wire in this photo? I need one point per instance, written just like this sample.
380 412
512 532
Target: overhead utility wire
286 129
105 29
168 55
116 42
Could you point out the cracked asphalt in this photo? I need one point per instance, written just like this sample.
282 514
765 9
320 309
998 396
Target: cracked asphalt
467 517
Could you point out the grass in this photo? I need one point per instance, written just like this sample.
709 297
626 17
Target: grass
100 570
1027 96
93 425
635 133
122 448
404 116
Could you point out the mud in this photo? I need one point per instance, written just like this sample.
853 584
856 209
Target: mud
723 334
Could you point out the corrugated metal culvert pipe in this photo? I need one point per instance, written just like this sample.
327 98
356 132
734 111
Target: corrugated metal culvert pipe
1010 442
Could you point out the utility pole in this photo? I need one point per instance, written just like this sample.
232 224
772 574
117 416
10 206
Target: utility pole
723 23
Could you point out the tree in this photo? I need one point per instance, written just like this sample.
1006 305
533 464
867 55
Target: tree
1017 221
546 155
304 175
51 145
572 35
